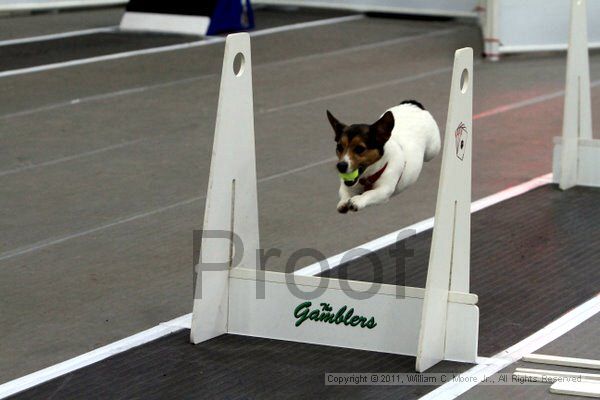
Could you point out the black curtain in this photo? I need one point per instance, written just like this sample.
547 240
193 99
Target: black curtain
198 7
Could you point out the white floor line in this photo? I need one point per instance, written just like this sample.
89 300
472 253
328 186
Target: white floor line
53 241
485 364
552 331
294 170
54 36
271 64
366 46
57 240
68 158
421 226
46 374
108 57
104 96
33 5
495 111
179 46
525 103
309 24
332 261
405 79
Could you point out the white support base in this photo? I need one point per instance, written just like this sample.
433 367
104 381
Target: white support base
243 300
166 23
588 163
397 318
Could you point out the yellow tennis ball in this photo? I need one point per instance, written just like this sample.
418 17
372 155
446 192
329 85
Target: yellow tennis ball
350 176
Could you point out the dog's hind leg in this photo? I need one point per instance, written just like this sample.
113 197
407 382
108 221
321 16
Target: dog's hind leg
433 143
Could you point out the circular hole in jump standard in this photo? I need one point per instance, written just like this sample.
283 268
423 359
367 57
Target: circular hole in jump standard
238 64
464 81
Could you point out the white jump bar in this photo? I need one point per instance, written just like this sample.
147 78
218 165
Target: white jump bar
564 361
585 388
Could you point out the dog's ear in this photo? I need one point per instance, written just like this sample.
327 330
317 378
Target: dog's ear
381 130
337 126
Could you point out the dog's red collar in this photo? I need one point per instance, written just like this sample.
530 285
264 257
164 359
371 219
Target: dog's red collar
369 181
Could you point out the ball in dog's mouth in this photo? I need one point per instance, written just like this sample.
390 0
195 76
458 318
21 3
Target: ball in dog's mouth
350 178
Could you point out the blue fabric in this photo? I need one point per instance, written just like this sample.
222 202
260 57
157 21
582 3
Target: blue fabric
231 16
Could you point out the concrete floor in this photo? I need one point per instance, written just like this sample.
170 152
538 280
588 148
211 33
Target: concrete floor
104 166
24 26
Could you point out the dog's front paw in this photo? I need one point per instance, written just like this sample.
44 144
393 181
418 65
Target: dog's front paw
356 203
342 207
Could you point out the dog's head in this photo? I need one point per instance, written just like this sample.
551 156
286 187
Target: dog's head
360 145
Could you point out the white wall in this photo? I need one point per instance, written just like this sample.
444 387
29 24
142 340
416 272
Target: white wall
536 25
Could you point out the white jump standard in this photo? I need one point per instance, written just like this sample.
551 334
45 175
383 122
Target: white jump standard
576 158
436 323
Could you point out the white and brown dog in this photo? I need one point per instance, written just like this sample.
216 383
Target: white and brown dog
382 159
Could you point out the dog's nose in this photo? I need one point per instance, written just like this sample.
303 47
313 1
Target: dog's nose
342 166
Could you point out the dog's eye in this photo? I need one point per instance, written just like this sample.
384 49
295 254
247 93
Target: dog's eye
359 149
339 148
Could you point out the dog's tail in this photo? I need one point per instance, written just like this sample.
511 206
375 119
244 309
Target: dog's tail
414 103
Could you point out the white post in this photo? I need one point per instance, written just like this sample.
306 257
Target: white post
231 203
577 120
450 247
490 29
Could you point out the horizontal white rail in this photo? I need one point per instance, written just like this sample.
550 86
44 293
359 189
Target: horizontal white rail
41 5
